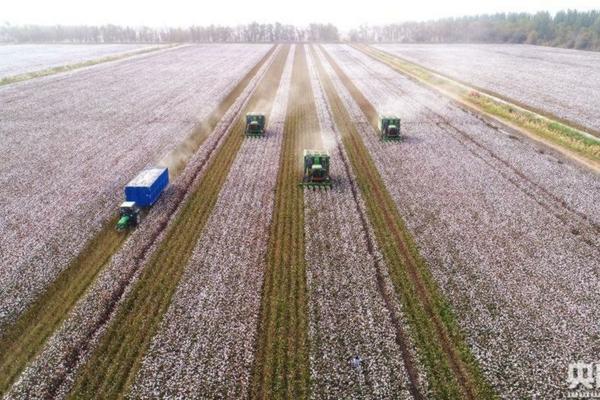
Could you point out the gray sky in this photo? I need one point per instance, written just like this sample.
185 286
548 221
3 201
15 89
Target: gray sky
344 14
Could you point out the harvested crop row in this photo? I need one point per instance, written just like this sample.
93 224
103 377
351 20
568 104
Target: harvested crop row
451 369
349 289
54 369
519 269
113 366
281 362
70 143
22 340
206 340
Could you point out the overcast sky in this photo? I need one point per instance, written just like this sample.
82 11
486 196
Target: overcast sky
344 14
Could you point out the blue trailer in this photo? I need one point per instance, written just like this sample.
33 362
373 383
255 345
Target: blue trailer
145 188
142 191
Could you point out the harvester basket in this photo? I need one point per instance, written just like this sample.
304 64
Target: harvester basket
308 184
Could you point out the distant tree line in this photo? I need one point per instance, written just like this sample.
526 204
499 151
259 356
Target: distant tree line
571 29
254 32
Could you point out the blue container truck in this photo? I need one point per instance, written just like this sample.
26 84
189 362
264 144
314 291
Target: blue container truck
142 191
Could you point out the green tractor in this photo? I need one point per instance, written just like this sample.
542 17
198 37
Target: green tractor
316 169
255 125
129 215
389 127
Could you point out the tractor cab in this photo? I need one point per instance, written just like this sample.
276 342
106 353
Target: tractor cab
255 124
389 127
316 169
129 215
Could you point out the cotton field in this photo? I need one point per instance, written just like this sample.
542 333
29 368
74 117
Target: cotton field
87 145
18 59
560 82
448 264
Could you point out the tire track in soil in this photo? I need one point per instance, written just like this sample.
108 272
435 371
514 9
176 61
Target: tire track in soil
22 340
382 209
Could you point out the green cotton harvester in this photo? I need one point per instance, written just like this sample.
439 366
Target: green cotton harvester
255 124
389 127
316 169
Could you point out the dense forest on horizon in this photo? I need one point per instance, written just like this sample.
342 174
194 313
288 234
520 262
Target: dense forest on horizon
254 33
569 29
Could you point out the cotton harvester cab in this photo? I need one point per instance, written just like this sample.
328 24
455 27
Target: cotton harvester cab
129 215
389 127
316 169
255 124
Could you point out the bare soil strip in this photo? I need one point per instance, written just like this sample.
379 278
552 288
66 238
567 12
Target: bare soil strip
23 339
452 370
281 368
574 143
113 365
